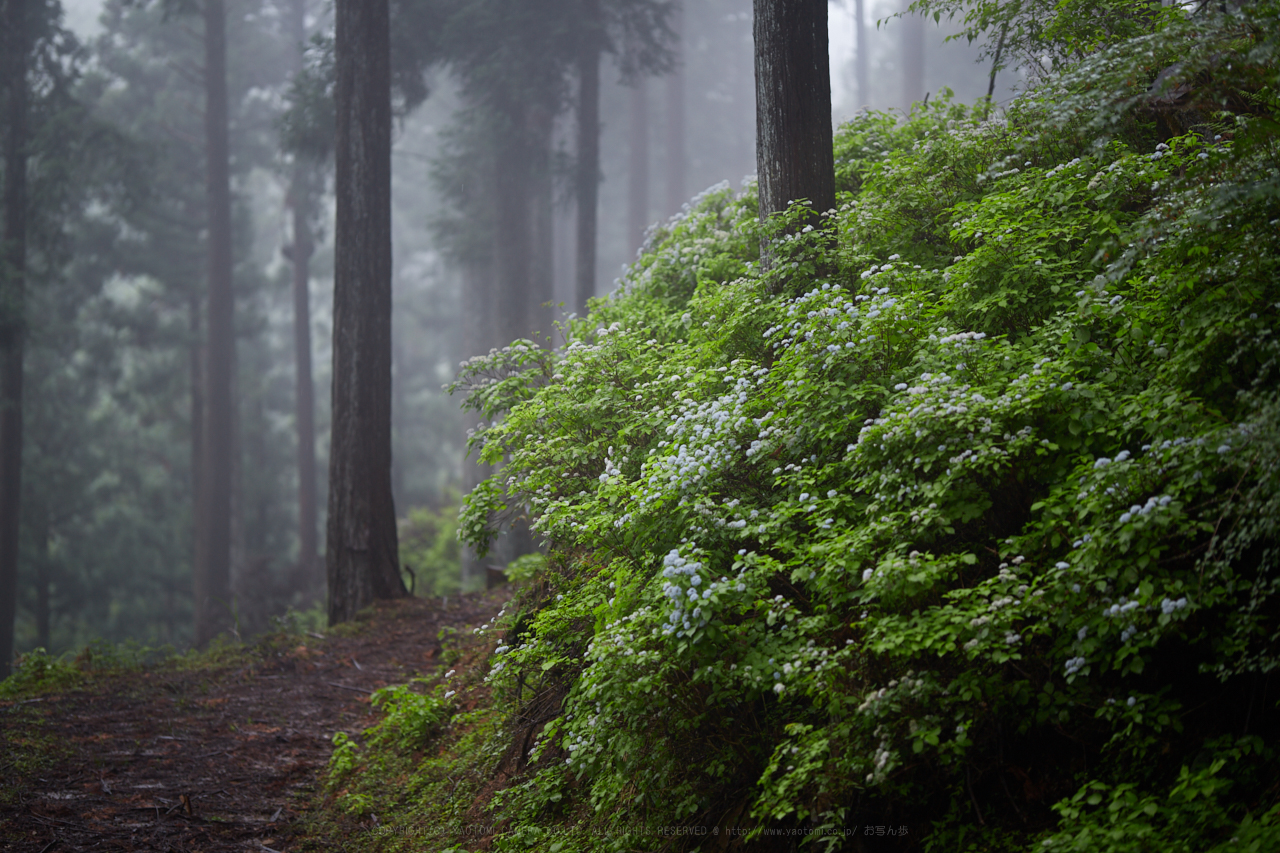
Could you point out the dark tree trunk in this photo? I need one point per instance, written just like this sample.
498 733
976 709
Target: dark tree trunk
13 264
308 580
638 177
43 563
512 236
304 400
478 314
676 191
860 58
588 179
541 127
213 604
195 366
912 58
794 154
361 551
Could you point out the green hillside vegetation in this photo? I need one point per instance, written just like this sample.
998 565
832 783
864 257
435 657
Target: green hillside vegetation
958 516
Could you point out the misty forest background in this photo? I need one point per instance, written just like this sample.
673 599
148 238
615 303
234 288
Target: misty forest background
117 270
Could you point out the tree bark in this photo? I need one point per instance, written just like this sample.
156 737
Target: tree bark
638 173
361 553
13 263
213 605
588 178
538 316
512 236
677 193
308 578
794 153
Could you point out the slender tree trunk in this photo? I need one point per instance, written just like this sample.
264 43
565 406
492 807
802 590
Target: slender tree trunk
213 603
304 398
860 45
588 179
995 62
13 264
638 176
478 312
308 580
677 193
794 153
195 366
512 247
361 552
541 235
912 57
43 581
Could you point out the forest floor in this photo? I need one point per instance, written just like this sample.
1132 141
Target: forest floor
218 752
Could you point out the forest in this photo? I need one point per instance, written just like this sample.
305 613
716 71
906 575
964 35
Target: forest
918 491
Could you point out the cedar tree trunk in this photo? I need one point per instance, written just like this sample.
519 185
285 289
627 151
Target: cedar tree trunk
676 193
794 153
361 551
588 183
14 52
213 604
307 580
638 175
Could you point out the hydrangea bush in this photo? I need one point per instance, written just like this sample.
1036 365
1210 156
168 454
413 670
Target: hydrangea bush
959 514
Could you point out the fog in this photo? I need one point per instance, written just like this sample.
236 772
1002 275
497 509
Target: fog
109 512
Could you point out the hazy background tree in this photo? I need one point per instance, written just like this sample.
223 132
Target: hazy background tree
14 57
213 601
117 306
303 186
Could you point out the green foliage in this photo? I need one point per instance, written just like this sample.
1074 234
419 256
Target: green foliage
410 718
965 504
429 548
39 672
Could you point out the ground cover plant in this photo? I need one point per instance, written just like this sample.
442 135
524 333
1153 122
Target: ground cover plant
952 526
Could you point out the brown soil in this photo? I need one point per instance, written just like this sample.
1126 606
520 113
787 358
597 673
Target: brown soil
209 759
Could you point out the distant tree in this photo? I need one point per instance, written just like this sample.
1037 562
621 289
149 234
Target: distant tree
794 151
361 549
301 191
15 52
213 604
590 49
638 165
912 55
675 160
861 50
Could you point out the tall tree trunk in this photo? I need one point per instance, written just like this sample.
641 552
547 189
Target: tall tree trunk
512 236
308 579
860 58
43 563
213 604
638 174
677 193
794 153
13 265
478 304
588 178
195 367
912 57
361 552
541 215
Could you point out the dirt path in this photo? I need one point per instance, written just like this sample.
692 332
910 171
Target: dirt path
213 759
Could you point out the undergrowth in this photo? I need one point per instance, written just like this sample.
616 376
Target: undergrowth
954 527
